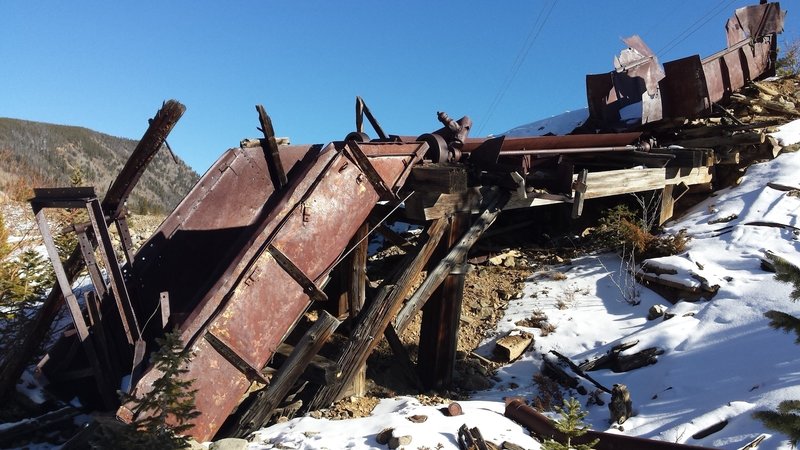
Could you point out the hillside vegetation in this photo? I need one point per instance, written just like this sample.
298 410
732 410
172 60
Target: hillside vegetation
35 154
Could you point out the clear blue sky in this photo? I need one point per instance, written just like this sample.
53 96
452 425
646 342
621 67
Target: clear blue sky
108 65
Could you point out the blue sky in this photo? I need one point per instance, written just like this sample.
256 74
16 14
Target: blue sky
109 65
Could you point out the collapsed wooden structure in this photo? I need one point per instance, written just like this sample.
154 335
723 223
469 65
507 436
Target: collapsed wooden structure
272 231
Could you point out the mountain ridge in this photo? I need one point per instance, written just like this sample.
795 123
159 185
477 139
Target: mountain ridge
41 154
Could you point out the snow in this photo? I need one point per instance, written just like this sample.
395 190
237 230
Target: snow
788 134
721 360
557 125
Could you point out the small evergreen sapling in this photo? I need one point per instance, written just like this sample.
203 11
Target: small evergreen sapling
786 419
166 411
572 426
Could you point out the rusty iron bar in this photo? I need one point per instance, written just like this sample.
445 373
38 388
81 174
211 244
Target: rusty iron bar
541 426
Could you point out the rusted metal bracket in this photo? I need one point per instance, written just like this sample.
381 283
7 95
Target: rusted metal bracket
361 111
272 155
374 178
579 187
309 287
232 357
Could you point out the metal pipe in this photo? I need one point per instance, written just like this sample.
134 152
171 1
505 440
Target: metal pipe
558 151
541 426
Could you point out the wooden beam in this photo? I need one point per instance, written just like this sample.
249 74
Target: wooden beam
439 177
438 339
267 400
272 156
495 201
376 316
357 294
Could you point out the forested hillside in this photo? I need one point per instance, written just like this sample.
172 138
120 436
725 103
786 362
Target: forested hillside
35 154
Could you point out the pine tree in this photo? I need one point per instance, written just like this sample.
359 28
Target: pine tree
570 424
786 419
165 412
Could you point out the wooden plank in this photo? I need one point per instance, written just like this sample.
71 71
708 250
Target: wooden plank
495 201
377 315
439 177
616 182
272 156
689 176
320 370
579 187
117 281
268 399
441 315
357 294
400 353
667 204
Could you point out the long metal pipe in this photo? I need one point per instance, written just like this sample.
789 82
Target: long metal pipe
541 426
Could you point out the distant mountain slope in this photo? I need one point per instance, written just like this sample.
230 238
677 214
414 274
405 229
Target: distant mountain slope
35 154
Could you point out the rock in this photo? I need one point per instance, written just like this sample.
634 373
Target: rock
395 442
194 445
620 406
509 262
384 436
656 311
511 446
417 418
229 444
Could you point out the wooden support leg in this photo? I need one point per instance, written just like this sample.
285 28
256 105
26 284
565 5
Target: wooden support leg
268 399
441 315
356 295
667 204
376 317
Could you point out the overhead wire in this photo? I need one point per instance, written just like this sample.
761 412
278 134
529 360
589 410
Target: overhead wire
696 26
530 39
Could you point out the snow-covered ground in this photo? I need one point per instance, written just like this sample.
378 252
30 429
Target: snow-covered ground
721 360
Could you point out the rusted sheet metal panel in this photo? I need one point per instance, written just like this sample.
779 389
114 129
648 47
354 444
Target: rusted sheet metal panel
755 20
255 303
684 90
635 79
199 239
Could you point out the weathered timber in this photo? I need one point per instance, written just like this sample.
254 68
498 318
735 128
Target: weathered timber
271 151
320 370
441 315
771 105
357 294
261 410
46 421
471 439
579 371
440 177
747 138
579 187
495 200
160 126
376 316
394 237
617 362
64 285
401 354
512 346
667 204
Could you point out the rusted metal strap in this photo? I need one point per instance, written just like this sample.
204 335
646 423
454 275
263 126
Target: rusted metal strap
361 110
236 361
310 289
125 237
273 158
374 178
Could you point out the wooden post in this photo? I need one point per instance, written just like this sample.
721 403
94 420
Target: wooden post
438 340
376 317
356 295
268 399
271 152
495 201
